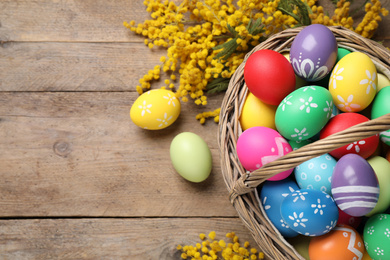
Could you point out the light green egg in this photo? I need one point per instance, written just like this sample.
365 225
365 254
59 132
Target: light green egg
376 236
301 245
191 157
381 167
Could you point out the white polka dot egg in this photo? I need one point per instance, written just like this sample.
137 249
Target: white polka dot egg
316 173
155 109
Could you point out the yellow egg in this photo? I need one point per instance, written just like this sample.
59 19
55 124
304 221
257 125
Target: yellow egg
383 81
353 82
155 109
257 113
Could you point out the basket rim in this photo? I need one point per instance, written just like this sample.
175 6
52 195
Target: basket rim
236 178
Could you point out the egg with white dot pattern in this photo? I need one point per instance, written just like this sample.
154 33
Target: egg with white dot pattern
316 173
155 109
376 236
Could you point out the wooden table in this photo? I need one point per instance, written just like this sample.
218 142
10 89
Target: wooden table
78 180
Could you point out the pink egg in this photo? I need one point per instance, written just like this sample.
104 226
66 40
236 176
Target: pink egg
259 145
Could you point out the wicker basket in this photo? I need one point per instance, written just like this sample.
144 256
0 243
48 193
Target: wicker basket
242 185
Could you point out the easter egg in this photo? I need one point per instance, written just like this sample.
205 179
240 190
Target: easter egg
155 109
316 173
257 113
383 81
303 113
299 82
376 236
354 185
381 168
313 52
301 245
380 107
365 147
341 52
271 195
366 256
353 82
335 111
260 145
298 144
191 156
342 243
309 212
345 219
262 74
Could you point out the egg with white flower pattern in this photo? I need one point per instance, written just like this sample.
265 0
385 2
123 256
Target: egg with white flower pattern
310 212
353 82
303 113
376 236
272 194
155 109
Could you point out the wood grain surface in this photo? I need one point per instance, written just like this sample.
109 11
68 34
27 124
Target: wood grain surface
78 180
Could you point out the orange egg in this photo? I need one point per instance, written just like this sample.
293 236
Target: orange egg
341 243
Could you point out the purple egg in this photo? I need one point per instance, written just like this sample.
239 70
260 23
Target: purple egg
314 52
354 185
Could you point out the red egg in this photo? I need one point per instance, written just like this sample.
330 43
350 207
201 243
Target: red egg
269 76
365 147
349 220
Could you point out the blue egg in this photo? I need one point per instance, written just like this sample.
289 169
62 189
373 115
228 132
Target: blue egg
310 212
335 111
316 173
272 194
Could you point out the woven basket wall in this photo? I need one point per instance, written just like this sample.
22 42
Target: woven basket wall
242 185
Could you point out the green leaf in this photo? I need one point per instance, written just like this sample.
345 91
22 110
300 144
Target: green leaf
255 27
217 85
232 30
288 6
228 49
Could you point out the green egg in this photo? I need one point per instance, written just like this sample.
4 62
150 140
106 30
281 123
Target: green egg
303 113
376 236
380 107
295 145
191 157
341 52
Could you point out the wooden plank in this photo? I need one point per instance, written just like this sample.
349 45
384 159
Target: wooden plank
109 238
97 21
76 21
75 66
79 154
